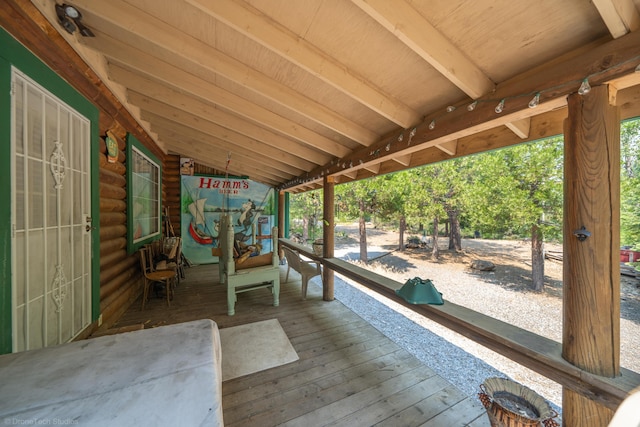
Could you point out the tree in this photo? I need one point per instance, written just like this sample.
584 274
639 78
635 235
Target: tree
393 190
630 183
520 189
360 200
307 209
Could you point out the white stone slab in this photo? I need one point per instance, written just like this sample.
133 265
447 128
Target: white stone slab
169 375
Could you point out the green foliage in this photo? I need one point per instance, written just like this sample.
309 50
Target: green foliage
630 183
518 187
502 193
305 210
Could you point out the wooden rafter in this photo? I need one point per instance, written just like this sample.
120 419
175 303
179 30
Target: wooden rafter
118 20
251 23
401 19
449 147
203 91
164 126
520 127
202 125
620 16
615 58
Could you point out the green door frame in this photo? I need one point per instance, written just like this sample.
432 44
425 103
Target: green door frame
14 54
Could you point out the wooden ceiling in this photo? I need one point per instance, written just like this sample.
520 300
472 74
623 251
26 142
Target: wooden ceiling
292 91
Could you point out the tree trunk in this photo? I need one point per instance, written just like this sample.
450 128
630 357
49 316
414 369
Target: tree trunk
537 258
403 226
435 252
455 241
305 229
363 234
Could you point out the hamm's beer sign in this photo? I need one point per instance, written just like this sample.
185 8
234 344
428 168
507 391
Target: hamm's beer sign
205 199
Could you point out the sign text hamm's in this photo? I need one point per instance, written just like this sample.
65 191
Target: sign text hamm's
224 186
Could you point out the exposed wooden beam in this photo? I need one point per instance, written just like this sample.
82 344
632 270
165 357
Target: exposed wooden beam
205 92
543 125
301 156
132 26
164 111
253 24
165 127
403 160
404 22
203 157
169 95
239 165
554 81
449 147
520 127
620 16
351 174
374 167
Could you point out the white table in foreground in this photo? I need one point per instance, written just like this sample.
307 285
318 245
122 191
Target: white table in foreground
169 375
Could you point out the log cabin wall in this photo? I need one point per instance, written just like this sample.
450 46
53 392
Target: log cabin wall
120 276
171 186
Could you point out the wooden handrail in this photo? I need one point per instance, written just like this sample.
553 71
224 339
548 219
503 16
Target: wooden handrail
536 352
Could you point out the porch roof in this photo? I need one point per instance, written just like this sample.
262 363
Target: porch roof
287 93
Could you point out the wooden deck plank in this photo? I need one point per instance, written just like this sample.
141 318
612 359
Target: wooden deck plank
380 410
293 394
460 414
428 407
348 373
281 380
340 400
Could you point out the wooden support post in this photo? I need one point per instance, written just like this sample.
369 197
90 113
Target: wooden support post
328 227
591 278
281 212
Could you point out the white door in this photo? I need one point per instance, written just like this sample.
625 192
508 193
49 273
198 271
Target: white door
51 218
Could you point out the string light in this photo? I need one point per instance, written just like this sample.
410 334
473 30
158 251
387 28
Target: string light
585 87
535 101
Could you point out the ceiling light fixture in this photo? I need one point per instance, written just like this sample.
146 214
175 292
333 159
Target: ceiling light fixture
70 18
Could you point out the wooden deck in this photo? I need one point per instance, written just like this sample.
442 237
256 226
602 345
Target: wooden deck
348 373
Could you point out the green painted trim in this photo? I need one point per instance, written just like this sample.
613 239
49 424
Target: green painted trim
13 53
5 208
132 247
287 223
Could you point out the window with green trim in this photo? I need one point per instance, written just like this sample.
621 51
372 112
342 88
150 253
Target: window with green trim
144 178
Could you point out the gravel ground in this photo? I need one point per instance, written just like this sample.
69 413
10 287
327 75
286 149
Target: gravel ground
502 294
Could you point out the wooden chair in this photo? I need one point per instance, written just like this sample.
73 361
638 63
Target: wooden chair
172 248
158 276
306 269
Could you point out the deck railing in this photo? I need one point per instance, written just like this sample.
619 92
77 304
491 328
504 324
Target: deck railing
533 351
